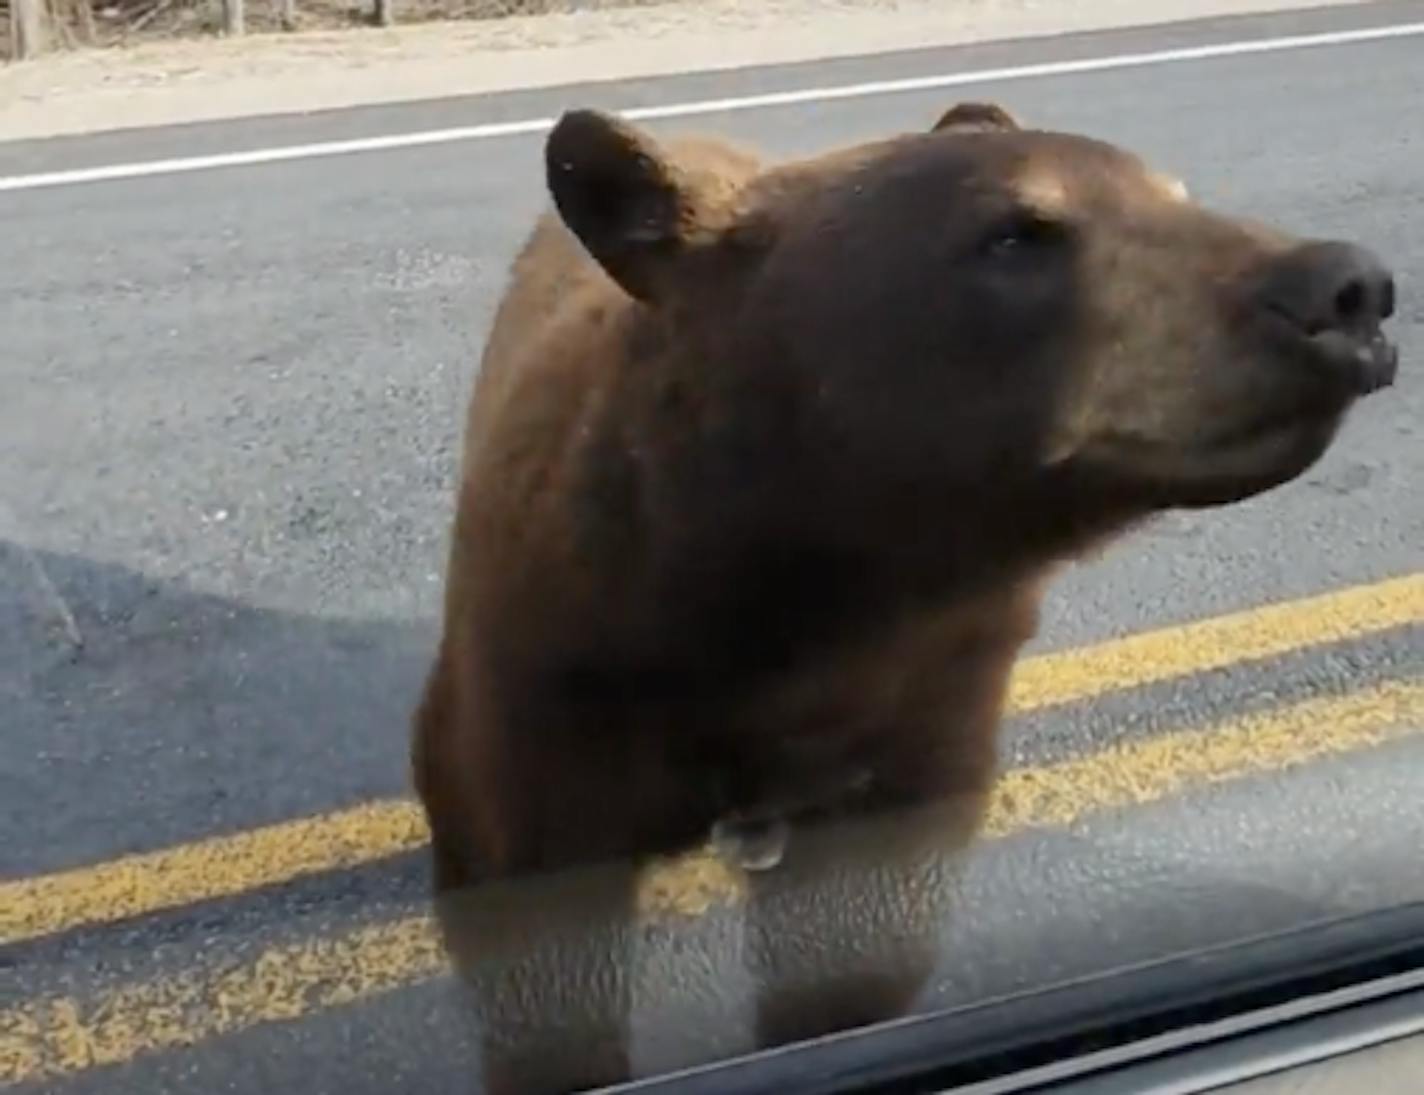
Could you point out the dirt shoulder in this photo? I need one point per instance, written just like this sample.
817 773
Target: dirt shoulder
169 82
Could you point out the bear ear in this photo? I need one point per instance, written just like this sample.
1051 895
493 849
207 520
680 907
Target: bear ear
972 117
617 192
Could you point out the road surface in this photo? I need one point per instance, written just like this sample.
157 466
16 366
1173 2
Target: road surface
231 397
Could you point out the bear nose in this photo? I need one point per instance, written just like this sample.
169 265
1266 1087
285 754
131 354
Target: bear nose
1325 287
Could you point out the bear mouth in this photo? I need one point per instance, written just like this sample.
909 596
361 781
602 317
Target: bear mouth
1340 368
1317 376
1255 445
1251 464
1273 428
1369 363
1355 362
1227 465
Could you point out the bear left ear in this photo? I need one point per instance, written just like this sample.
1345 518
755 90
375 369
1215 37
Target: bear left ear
620 195
972 117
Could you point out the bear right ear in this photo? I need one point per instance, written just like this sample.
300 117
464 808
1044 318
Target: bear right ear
974 117
618 193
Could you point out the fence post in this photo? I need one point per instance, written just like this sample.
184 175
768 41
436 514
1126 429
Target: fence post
27 28
385 14
234 22
287 14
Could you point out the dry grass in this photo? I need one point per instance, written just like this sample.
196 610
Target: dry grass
110 23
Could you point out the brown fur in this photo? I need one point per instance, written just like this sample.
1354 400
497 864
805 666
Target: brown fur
765 470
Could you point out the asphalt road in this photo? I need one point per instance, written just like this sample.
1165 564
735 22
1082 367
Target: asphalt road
228 430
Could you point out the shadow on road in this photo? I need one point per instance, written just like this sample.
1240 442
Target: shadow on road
182 714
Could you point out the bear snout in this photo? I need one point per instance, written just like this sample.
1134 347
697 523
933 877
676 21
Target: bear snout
1335 297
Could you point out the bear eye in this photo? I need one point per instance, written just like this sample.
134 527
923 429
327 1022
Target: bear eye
1021 233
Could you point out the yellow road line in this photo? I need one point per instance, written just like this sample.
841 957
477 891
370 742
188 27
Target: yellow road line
59 1036
224 866
52 1037
1251 635
1139 772
217 867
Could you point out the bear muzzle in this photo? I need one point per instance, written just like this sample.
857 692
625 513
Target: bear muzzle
1332 299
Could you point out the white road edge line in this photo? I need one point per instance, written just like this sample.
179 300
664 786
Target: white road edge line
111 172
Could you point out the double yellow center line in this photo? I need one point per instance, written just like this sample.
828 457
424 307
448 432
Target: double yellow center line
54 1036
225 866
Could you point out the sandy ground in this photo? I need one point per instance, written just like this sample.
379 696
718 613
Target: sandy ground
178 81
